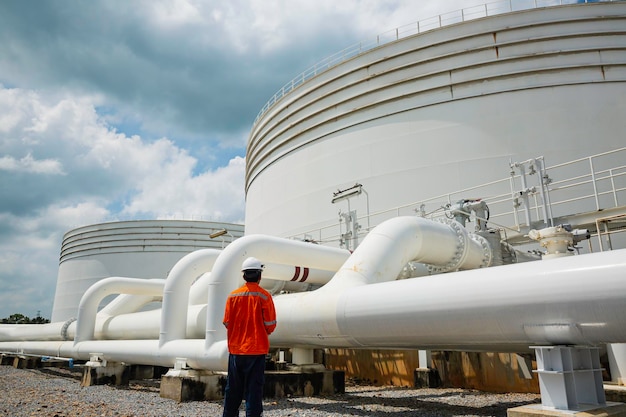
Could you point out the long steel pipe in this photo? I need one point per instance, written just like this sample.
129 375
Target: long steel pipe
572 300
176 319
140 352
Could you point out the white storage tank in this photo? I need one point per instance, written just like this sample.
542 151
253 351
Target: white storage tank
137 249
440 111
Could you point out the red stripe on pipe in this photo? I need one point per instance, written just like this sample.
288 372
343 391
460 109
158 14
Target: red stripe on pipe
306 275
296 274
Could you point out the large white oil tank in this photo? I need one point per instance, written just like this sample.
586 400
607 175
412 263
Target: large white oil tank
136 249
439 111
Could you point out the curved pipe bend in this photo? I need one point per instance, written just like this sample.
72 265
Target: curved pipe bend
379 258
127 304
226 274
176 293
88 307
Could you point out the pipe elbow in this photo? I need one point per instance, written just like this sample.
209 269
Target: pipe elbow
88 306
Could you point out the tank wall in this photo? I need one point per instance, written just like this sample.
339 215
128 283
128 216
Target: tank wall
440 112
136 249
428 152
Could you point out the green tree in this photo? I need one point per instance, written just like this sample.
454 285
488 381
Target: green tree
39 320
18 318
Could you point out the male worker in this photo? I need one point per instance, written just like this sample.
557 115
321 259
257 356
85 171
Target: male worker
249 318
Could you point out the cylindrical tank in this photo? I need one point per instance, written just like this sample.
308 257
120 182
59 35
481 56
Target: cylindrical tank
137 249
440 111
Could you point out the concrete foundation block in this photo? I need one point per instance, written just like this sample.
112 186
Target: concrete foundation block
615 393
193 385
198 385
537 410
110 374
279 384
141 372
426 378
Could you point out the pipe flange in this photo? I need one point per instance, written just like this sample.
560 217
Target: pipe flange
459 253
66 325
487 252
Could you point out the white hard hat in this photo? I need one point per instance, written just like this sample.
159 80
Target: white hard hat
252 264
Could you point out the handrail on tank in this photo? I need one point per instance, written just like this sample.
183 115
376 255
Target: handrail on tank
415 28
605 182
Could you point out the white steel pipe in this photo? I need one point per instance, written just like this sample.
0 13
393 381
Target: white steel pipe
176 292
142 352
226 274
574 300
88 307
301 274
146 325
49 331
275 272
138 325
114 321
380 257
276 277
128 303
398 241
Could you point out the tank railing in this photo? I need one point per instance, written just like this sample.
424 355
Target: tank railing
592 183
421 26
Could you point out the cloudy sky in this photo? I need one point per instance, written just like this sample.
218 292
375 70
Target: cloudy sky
140 109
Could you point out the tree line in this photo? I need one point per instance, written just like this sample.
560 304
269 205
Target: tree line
22 319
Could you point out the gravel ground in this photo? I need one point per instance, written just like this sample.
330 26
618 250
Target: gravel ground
28 392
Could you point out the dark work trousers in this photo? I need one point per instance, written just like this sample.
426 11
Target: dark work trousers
246 375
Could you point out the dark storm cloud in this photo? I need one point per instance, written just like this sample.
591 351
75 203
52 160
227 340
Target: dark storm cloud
191 77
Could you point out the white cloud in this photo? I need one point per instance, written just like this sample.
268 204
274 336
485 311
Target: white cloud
213 195
29 164
107 175
173 13
74 215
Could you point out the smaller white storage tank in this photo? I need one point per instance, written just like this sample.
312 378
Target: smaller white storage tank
137 249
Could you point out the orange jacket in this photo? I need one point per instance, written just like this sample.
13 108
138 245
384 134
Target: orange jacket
249 318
